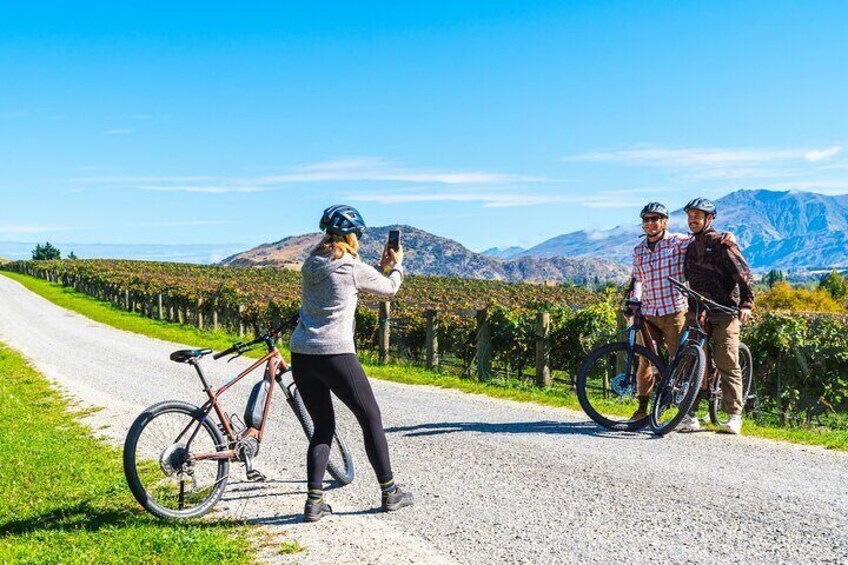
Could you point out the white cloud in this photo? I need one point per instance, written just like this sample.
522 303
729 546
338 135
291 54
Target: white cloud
500 199
658 156
375 169
30 229
822 154
354 169
180 223
210 189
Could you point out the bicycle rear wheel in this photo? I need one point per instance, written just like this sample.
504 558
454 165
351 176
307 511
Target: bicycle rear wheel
678 390
606 384
160 465
718 415
340 466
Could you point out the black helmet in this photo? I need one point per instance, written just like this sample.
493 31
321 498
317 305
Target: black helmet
703 204
654 208
341 219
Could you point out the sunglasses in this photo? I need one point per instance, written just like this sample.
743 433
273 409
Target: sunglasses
650 219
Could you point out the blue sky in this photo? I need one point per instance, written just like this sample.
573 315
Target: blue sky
494 123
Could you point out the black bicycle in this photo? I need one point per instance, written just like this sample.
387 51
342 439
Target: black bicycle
177 456
606 383
680 386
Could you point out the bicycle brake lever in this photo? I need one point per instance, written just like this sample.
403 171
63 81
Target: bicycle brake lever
236 356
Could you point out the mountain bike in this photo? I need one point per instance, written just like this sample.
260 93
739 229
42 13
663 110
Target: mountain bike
177 455
681 385
606 383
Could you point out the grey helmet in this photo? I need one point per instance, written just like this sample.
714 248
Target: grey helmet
342 220
654 208
703 204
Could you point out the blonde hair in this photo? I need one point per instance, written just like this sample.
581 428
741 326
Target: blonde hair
336 245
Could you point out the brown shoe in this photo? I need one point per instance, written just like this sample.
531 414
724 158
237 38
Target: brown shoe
639 415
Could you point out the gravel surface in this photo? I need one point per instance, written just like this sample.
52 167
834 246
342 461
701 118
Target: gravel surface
496 481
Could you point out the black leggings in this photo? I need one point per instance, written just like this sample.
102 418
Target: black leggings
316 376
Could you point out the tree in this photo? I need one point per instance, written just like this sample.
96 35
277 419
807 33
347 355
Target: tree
774 276
45 252
72 256
835 285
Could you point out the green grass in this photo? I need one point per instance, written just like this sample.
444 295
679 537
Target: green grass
63 498
512 390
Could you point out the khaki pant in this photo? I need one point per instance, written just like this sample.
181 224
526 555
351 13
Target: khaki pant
725 342
670 326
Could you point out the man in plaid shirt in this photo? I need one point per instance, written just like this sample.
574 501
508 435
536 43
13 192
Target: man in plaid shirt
659 256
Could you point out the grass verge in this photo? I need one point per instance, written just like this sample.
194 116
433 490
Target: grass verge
63 498
511 390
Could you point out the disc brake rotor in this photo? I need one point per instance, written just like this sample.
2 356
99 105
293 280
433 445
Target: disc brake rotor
619 385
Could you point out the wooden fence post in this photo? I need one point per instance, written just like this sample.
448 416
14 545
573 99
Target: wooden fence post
384 330
432 345
126 299
200 313
484 345
241 320
159 304
215 315
543 349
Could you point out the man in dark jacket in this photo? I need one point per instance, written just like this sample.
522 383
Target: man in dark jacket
720 273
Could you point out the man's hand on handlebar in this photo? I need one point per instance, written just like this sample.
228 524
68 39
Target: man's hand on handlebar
744 315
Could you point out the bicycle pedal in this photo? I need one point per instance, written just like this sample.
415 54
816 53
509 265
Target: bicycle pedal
256 476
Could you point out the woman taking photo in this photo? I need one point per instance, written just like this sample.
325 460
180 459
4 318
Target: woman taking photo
324 356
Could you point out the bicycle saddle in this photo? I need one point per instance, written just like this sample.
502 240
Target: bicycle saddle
186 355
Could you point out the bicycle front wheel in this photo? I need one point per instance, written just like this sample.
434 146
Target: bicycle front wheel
678 390
606 384
340 465
718 415
165 464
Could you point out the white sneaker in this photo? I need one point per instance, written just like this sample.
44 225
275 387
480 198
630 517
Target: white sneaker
689 424
733 425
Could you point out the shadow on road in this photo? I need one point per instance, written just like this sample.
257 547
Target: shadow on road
538 427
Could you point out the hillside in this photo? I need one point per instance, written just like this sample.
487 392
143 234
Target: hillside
775 229
429 254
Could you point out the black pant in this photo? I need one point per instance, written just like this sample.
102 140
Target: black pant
316 376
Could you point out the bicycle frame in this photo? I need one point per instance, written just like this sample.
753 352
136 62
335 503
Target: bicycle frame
641 326
275 367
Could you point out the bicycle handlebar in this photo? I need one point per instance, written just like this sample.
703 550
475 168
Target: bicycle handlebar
240 347
710 304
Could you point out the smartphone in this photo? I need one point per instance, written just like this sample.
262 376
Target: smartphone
394 240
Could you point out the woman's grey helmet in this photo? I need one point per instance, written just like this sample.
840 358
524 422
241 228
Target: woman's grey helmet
342 220
654 208
703 204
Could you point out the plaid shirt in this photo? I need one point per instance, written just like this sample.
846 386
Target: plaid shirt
651 270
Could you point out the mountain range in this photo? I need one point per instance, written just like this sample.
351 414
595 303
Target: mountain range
787 230
799 231
429 254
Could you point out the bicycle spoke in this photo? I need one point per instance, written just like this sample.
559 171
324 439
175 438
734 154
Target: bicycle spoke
608 381
166 468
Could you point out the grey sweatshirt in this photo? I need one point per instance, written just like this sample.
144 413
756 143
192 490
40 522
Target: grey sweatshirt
330 291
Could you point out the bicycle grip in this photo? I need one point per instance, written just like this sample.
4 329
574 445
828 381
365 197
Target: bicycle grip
225 352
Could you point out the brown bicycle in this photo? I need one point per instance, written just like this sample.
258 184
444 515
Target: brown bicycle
177 455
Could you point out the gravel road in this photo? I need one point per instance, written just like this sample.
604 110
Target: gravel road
496 481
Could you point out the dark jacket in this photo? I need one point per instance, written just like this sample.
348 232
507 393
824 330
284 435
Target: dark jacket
718 271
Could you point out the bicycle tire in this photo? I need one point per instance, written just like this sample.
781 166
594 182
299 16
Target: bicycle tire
717 415
582 388
131 460
690 382
342 470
